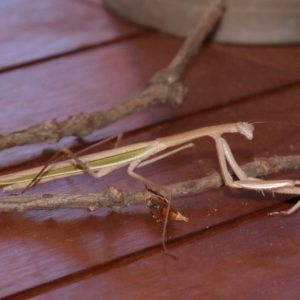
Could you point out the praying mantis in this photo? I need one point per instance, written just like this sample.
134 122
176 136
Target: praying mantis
137 155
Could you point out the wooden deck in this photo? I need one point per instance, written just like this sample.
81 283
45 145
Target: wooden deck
61 58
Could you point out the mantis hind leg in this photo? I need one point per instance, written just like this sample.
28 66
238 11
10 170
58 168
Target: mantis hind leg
118 141
54 159
139 163
57 157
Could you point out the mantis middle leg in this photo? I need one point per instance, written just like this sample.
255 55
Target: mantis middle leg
139 163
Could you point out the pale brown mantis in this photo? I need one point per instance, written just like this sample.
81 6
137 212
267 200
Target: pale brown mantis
137 155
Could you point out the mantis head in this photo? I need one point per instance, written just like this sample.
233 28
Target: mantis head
245 129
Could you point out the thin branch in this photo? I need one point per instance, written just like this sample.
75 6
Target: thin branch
164 87
192 44
115 198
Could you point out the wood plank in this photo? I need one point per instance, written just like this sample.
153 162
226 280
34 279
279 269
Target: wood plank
263 265
40 248
45 250
279 58
36 30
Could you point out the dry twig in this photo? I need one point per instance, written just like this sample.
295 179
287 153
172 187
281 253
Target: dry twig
164 87
115 198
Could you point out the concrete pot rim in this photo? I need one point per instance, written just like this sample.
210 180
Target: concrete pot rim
261 22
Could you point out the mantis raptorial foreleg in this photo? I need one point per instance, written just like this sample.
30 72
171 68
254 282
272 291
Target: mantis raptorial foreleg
274 186
286 212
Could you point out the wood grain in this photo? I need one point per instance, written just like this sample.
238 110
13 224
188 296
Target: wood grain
61 243
230 248
33 30
263 265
